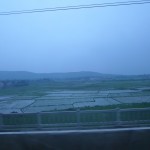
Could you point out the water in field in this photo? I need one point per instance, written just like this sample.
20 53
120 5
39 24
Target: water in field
61 100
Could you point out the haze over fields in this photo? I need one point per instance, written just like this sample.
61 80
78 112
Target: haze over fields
76 58
24 75
34 92
111 40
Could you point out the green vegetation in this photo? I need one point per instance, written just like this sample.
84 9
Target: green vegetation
75 117
120 106
40 87
19 119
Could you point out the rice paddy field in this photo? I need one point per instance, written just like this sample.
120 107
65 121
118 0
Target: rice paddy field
58 96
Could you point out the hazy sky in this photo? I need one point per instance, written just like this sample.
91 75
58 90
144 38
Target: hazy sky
107 40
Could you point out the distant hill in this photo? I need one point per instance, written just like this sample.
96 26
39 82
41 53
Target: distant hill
24 75
17 75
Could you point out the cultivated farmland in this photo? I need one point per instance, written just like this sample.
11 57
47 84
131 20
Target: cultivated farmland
45 97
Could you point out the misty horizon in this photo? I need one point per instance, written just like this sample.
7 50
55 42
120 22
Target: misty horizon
112 40
23 71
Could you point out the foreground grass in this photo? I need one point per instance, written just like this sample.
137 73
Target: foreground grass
75 117
118 106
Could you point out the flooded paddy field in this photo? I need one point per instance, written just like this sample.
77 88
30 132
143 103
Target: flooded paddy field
47 95
71 99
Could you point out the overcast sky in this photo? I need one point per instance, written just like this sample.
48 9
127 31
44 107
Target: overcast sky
112 40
